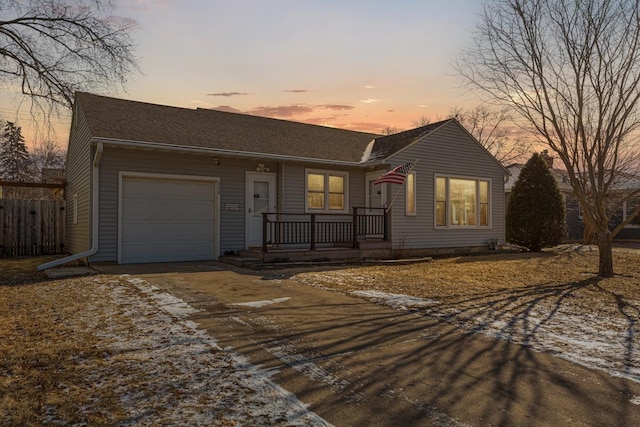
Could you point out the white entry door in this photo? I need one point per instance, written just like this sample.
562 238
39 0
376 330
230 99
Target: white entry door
260 197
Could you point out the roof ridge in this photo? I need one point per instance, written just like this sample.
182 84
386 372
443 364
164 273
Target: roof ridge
222 112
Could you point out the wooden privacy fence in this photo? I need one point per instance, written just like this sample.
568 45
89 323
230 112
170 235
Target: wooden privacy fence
31 227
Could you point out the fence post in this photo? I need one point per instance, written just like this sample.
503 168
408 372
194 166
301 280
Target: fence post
313 232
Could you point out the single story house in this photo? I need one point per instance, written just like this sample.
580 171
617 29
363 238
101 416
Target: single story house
573 213
154 183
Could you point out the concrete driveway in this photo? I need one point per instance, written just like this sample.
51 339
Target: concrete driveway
361 364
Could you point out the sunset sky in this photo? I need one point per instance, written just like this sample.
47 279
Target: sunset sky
351 64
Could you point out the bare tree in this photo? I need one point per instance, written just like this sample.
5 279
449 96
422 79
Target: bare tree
493 128
571 71
390 130
421 121
47 155
51 48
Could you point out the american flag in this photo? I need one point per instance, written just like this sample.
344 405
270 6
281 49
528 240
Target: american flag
396 175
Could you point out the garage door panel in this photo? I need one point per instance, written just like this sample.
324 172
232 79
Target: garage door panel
166 220
201 192
187 231
201 211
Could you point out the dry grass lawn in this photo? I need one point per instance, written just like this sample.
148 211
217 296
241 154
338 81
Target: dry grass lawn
114 350
553 301
462 279
100 351
40 343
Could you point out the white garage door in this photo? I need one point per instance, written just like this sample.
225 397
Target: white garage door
166 220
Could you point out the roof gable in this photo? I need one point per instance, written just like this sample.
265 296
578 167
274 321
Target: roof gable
119 119
386 146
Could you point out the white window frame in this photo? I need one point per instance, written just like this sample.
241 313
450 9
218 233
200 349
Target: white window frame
448 225
327 173
415 195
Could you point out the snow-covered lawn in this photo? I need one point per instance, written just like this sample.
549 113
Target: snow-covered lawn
552 302
118 351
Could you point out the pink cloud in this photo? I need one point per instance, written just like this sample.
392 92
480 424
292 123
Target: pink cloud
296 90
227 94
320 120
281 111
228 109
365 127
294 111
336 107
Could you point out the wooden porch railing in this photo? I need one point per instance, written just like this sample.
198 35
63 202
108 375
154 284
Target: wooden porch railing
313 228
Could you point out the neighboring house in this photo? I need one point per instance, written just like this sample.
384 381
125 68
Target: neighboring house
152 183
575 226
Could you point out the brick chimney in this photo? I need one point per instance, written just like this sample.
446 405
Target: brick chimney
547 158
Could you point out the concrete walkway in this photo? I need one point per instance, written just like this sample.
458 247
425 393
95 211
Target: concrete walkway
360 364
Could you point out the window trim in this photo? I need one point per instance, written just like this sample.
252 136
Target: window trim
415 195
448 225
326 173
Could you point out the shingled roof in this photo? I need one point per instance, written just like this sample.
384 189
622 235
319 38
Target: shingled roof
385 146
120 119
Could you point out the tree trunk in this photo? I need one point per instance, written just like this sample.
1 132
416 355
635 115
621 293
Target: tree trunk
605 266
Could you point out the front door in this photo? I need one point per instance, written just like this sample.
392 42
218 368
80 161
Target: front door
376 194
376 199
260 197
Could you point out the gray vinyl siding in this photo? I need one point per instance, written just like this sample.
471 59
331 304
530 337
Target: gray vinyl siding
452 152
232 191
78 175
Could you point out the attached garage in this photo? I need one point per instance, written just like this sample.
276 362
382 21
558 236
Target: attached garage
166 218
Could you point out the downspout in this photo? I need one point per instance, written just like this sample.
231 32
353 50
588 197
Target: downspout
94 217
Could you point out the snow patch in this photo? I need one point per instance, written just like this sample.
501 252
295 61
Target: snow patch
367 151
398 301
258 304
182 376
167 302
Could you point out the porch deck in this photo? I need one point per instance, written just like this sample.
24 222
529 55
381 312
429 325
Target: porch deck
370 249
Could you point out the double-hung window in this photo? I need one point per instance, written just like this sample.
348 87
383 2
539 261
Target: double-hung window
326 191
462 202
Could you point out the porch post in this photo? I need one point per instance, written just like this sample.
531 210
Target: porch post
264 231
313 232
355 227
385 226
